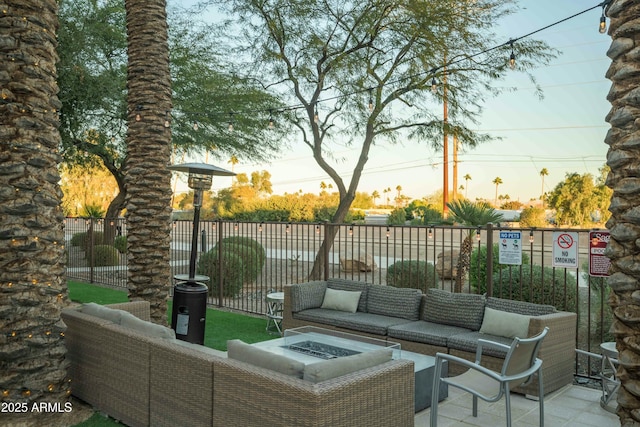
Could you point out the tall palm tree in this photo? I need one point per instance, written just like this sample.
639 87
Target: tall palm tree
544 172
33 288
624 225
149 152
469 214
466 178
375 196
497 181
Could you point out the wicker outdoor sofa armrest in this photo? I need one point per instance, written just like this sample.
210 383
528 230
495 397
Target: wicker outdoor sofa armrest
561 338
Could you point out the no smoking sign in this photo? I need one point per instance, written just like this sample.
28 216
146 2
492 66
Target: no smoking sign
565 249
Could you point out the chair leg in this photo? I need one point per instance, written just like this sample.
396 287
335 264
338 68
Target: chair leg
475 405
541 397
507 402
435 394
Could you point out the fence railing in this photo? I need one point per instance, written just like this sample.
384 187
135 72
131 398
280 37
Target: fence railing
414 256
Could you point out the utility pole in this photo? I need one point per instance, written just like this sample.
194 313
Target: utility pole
445 147
455 167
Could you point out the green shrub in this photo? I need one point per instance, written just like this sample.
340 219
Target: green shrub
248 241
120 244
232 269
478 271
412 274
397 217
83 239
104 255
537 285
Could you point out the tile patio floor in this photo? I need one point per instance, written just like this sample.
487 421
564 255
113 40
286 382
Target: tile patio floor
570 406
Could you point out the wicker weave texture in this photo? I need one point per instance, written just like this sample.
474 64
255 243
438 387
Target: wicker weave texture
254 397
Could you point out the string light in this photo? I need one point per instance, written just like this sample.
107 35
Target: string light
230 121
138 109
602 28
430 233
270 119
195 126
351 230
531 236
434 85
370 101
388 233
478 234
512 57
167 123
317 229
315 114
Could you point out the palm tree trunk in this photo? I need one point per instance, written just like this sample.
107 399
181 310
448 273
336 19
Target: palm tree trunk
624 160
148 180
33 289
464 262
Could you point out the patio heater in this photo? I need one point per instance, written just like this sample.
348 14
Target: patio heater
190 293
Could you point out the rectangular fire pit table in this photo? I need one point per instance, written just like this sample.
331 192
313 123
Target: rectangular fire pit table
310 344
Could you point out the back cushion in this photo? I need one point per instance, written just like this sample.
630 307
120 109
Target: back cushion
332 368
307 295
446 308
520 307
147 329
102 312
395 302
352 286
239 350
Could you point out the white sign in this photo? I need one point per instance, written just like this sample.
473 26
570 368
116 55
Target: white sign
510 248
565 249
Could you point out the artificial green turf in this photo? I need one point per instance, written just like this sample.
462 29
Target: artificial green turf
220 326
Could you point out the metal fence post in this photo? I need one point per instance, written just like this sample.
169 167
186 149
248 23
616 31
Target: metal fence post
489 260
220 266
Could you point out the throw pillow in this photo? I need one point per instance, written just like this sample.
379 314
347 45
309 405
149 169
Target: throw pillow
505 324
239 350
102 312
394 302
447 308
341 300
332 368
145 328
307 295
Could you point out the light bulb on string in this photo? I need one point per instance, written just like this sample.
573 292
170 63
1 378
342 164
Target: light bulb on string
434 85
138 116
270 119
167 123
230 122
512 58
370 102
195 125
315 115
603 23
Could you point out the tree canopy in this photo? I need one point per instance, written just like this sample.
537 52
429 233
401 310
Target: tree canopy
92 79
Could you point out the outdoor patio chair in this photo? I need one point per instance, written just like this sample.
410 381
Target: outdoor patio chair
520 365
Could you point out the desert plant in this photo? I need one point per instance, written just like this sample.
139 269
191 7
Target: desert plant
412 274
83 239
120 244
537 285
104 255
248 241
470 214
397 217
232 271
478 271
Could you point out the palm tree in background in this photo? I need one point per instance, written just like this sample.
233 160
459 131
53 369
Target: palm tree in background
497 181
544 172
375 195
148 179
469 214
624 224
466 178
33 286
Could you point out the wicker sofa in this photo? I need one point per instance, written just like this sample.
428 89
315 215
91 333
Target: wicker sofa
144 377
438 321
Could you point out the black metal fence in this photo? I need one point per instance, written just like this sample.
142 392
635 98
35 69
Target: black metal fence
414 256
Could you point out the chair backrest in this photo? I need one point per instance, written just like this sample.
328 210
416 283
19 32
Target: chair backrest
521 356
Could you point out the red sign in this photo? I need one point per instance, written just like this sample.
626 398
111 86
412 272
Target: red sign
598 262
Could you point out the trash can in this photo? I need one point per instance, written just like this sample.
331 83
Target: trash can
189 311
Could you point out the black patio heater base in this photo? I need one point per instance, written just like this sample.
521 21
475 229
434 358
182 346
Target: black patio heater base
189 311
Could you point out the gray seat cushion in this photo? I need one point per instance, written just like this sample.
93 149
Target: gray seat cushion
362 322
468 341
462 310
425 332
